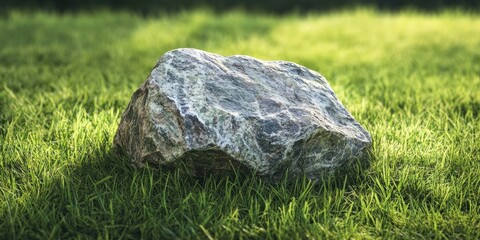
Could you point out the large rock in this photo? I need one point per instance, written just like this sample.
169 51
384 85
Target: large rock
210 113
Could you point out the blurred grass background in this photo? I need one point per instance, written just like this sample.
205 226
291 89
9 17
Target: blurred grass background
412 79
270 6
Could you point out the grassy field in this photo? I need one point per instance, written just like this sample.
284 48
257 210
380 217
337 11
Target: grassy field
412 79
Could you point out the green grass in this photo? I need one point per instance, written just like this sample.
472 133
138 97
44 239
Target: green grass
412 79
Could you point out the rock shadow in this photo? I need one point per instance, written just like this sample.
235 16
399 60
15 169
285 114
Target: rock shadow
105 194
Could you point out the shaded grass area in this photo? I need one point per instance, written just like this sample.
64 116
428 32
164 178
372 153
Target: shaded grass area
413 80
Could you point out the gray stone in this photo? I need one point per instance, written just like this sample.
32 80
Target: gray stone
210 113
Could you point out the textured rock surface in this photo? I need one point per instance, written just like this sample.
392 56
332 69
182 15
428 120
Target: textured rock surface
210 112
